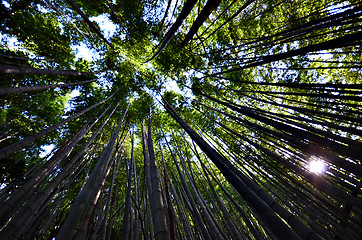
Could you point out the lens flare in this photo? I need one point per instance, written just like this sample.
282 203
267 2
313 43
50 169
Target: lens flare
317 166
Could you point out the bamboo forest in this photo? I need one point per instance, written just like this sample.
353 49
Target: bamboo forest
181 119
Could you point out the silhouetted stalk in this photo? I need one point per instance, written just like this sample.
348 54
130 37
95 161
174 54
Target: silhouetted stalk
8 91
69 226
127 206
181 214
188 194
266 214
158 215
30 70
187 8
5 152
318 140
110 194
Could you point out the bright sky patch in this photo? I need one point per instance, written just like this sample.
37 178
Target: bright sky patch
46 150
107 27
317 166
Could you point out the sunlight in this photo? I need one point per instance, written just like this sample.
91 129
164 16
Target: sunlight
317 166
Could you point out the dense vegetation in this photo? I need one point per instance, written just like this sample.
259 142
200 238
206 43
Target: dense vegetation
265 88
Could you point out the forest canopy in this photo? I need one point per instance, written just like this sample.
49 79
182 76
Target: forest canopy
186 119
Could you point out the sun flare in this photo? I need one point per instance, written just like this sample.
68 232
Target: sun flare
317 166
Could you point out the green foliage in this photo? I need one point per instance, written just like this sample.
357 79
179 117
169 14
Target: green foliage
41 34
140 108
268 88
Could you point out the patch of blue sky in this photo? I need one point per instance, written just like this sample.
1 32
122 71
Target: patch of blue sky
9 42
339 7
42 9
83 51
108 28
324 55
171 85
6 4
74 93
69 105
104 82
12 43
46 149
